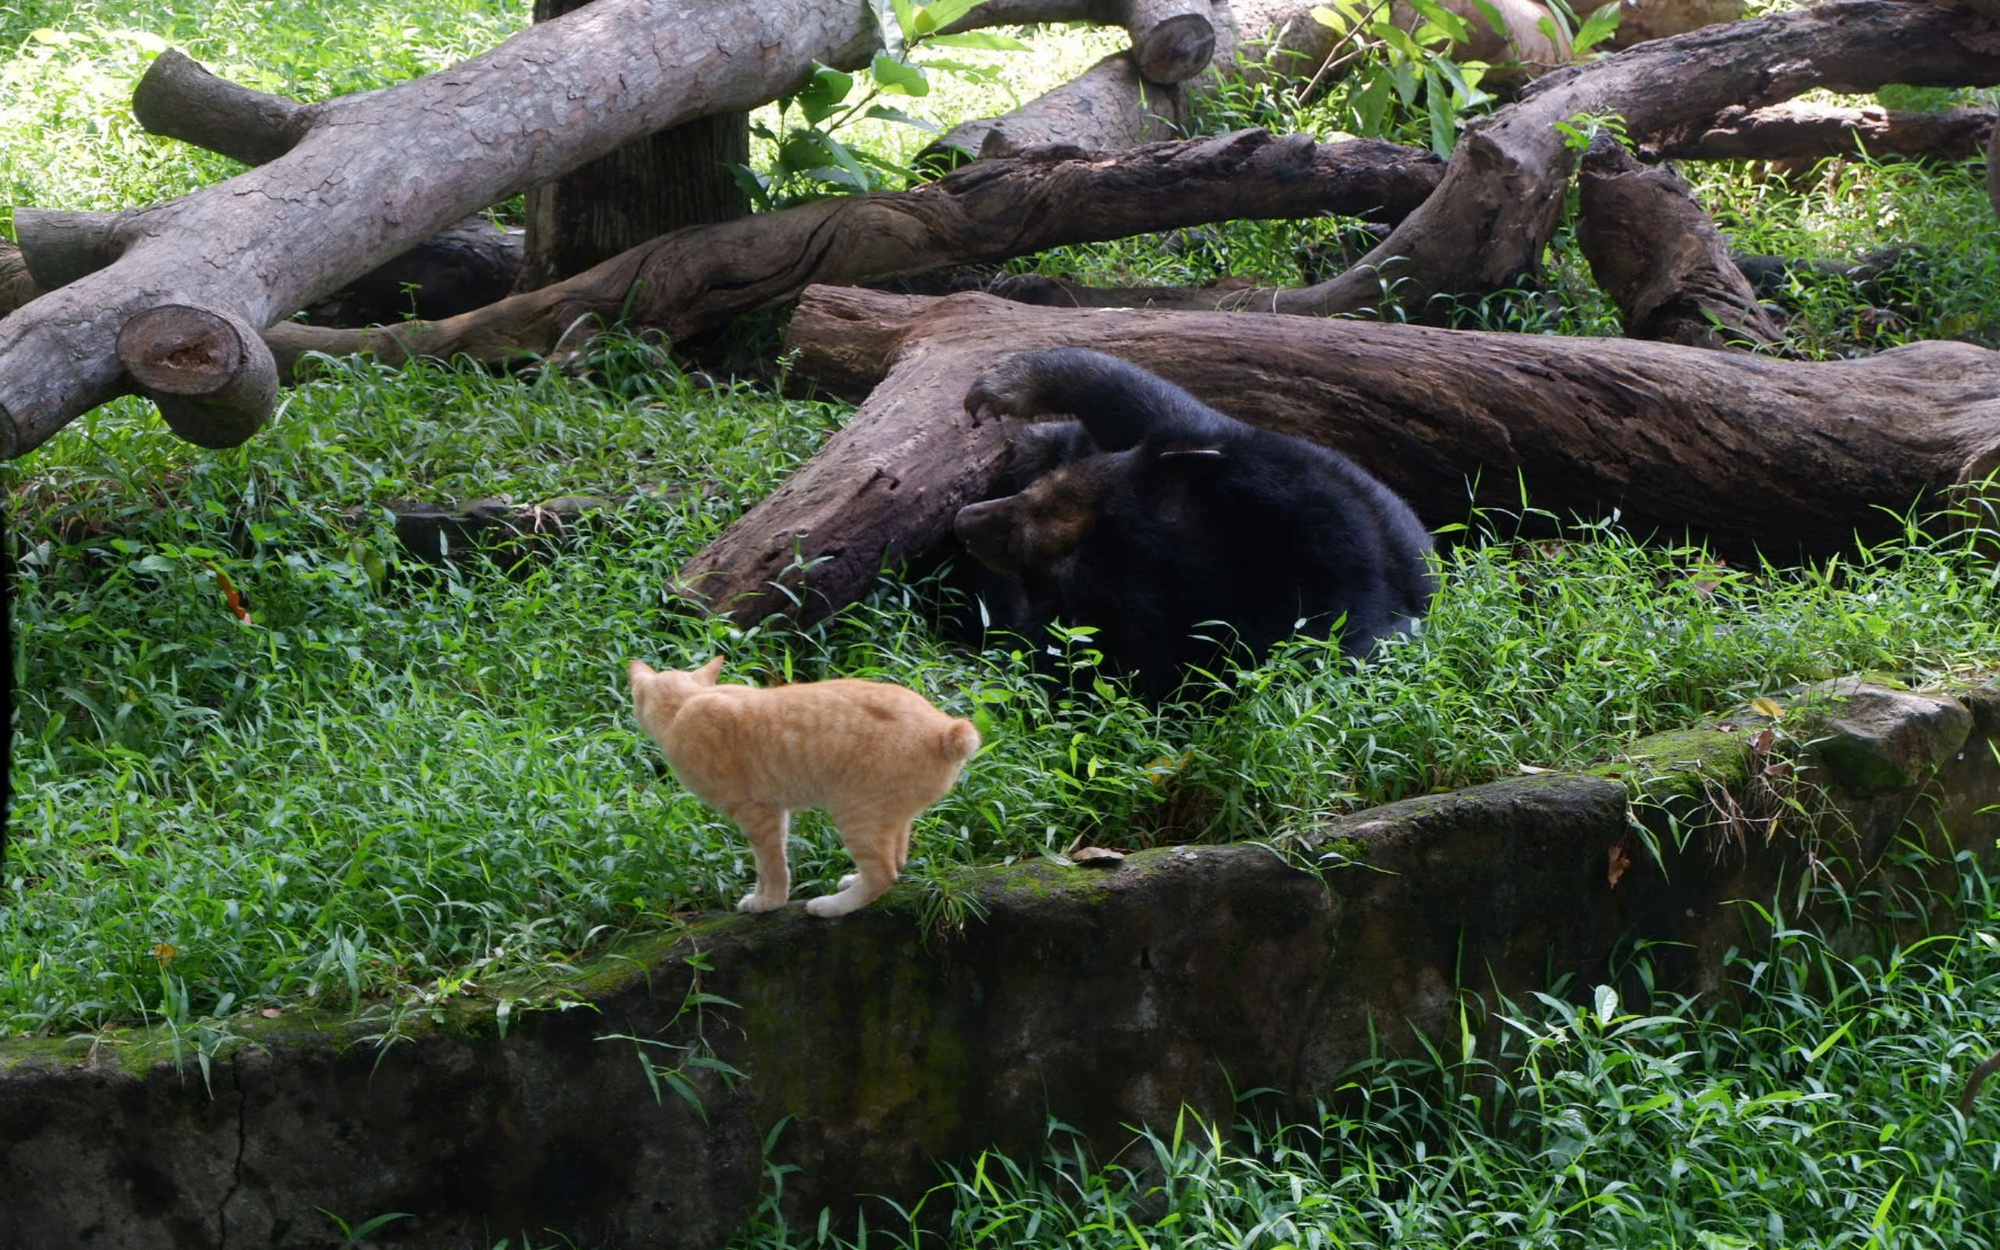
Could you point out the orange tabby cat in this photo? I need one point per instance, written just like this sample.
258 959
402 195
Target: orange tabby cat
872 754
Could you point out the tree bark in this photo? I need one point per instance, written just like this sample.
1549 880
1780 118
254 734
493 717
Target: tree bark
378 172
1754 455
1658 255
679 177
1490 220
1805 132
1643 20
696 278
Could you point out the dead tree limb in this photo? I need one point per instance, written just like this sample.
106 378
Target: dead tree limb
698 277
1797 131
1492 216
1753 454
177 98
1658 255
380 171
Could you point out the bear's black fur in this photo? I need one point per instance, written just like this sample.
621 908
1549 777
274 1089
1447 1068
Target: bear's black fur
1152 514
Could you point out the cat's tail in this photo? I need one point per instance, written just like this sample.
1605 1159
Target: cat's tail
958 740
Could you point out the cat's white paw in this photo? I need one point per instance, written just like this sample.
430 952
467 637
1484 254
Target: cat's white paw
754 901
833 904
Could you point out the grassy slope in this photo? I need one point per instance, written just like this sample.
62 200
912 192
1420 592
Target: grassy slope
387 778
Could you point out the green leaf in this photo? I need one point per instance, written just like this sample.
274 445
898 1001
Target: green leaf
1328 18
887 114
1449 24
1444 118
1371 103
823 93
899 77
942 13
753 185
1406 78
889 21
1599 26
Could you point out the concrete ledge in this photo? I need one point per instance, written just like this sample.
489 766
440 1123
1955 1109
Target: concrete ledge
886 1041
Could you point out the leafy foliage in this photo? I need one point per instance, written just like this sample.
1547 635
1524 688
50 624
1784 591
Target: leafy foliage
809 161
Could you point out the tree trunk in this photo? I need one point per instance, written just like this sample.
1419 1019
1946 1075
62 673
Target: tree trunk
1754 455
696 278
679 177
378 172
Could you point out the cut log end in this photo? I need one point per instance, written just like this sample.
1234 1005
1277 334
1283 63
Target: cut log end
1176 49
208 371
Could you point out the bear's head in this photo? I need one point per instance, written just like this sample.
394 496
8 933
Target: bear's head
1148 486
1042 523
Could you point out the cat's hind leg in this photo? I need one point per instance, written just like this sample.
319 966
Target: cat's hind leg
766 828
875 858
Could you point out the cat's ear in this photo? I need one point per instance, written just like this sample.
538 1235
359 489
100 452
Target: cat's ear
708 672
638 671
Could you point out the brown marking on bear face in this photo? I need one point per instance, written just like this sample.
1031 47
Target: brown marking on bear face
1042 523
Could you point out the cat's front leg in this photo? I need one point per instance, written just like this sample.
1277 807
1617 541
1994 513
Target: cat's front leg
766 828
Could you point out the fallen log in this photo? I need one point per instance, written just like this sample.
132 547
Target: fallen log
696 278
1490 220
1797 131
1658 255
1754 455
377 172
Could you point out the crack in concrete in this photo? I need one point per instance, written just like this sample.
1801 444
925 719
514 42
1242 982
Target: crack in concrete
236 1168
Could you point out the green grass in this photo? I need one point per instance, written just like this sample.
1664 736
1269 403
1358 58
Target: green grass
1823 1115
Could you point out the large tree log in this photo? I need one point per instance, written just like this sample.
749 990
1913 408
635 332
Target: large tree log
695 278
1798 131
1491 218
378 172
1755 455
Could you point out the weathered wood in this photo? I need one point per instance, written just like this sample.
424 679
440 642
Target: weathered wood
679 177
1490 220
1798 131
1172 40
207 370
1658 255
60 247
380 171
695 278
178 98
1753 454
1107 108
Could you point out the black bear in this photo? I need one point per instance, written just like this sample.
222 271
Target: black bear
1152 515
